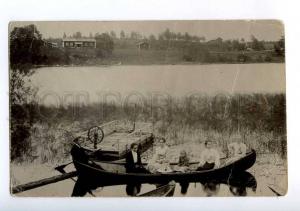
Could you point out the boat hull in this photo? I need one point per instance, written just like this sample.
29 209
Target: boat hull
97 175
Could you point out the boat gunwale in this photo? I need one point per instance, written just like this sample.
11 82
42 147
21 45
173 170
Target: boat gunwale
191 173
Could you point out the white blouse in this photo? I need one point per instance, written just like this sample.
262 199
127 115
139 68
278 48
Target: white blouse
160 153
210 156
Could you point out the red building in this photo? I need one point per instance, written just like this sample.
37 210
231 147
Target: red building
79 43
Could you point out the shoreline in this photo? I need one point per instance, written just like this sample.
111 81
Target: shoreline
154 64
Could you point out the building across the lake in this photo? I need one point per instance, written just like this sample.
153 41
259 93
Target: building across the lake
50 44
79 43
143 45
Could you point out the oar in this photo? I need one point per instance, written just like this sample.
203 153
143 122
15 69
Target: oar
39 183
62 171
61 167
274 191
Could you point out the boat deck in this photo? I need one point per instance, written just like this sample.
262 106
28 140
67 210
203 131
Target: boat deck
118 141
117 138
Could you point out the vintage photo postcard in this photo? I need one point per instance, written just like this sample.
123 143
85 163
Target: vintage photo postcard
147 108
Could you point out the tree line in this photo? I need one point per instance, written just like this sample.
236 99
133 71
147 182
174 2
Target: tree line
167 35
225 45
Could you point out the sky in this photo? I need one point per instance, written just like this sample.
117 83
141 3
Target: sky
269 30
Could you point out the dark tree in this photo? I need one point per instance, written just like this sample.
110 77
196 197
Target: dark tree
25 47
167 34
195 38
134 35
187 37
257 45
152 38
179 36
25 52
105 44
160 37
113 34
279 47
202 39
122 35
77 35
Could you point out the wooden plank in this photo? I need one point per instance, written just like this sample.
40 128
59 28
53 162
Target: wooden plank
123 162
46 181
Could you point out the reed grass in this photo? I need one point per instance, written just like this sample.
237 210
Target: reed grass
259 118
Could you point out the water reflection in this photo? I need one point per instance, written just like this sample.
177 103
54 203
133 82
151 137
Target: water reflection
241 184
133 189
211 188
237 185
184 186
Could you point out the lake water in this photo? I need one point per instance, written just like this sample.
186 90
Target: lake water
60 83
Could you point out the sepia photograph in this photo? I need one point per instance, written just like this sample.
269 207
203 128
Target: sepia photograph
165 108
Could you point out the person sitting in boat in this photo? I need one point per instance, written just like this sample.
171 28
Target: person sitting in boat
209 158
159 162
236 149
183 162
133 160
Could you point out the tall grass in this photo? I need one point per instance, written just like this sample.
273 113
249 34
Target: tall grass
259 118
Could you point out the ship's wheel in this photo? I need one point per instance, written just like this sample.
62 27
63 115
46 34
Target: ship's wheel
95 135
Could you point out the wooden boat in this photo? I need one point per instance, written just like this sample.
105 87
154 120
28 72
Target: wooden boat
162 191
96 173
111 141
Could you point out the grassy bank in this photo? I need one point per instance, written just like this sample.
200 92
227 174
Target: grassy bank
259 118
